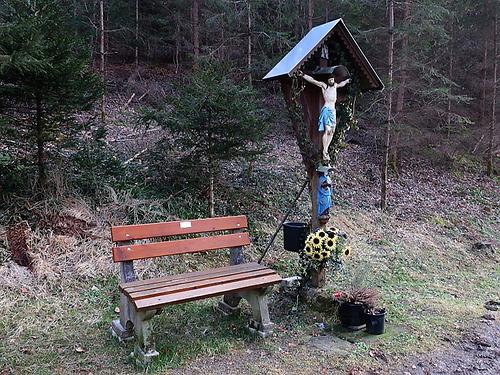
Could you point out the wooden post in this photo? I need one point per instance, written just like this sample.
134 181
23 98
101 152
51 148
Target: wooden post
309 141
317 277
123 328
230 301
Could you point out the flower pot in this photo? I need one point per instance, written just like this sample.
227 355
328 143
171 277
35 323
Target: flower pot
375 321
352 315
294 236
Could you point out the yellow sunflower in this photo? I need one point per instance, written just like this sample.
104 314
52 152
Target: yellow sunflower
332 233
308 250
317 242
325 254
321 233
330 244
310 237
347 251
317 256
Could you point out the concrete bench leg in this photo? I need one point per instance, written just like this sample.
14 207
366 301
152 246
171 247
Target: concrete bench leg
123 328
229 304
260 322
144 350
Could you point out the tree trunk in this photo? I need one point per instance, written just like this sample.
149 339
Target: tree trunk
385 160
483 93
103 61
450 79
222 48
137 34
40 142
211 196
310 14
297 23
490 165
195 13
177 42
404 59
249 44
402 87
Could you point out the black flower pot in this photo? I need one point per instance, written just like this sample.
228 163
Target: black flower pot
294 236
375 321
352 315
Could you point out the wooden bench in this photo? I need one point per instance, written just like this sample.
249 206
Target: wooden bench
140 300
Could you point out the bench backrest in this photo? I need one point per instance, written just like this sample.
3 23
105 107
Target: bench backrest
128 251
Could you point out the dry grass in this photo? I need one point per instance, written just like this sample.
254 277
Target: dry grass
418 255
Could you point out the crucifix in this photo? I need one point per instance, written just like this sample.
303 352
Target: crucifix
327 120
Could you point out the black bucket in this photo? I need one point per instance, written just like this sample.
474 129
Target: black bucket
375 322
294 236
352 315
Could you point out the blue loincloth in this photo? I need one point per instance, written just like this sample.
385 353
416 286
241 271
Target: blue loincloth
327 117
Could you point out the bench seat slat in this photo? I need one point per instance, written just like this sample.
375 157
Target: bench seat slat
197 284
209 291
142 285
190 245
174 228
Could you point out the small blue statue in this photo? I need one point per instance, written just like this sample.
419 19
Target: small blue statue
324 194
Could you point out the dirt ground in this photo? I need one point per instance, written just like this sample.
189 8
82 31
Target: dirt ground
477 352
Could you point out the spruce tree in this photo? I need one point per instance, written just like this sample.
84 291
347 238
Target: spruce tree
45 75
213 121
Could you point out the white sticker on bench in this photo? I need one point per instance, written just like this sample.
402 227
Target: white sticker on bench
185 224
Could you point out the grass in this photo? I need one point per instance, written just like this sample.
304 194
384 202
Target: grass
72 331
431 285
57 320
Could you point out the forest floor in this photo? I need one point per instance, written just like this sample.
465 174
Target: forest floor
433 255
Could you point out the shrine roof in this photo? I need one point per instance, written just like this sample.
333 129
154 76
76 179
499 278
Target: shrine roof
312 41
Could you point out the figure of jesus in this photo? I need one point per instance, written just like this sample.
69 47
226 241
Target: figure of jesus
327 118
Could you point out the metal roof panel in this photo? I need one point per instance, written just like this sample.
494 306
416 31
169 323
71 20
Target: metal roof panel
302 50
313 40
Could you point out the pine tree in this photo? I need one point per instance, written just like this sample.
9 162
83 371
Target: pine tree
44 73
214 121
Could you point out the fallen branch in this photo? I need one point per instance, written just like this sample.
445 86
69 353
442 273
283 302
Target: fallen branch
142 96
130 100
135 156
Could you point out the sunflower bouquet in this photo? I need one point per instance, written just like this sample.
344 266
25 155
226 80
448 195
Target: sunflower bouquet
326 244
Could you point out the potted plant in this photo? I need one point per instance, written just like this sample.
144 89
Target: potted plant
352 306
375 320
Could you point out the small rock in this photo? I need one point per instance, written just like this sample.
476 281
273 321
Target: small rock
489 316
291 282
484 247
483 342
321 325
492 305
331 345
